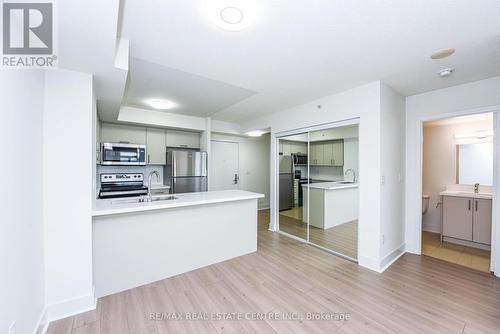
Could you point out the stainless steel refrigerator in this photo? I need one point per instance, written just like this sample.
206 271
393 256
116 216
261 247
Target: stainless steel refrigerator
286 182
186 171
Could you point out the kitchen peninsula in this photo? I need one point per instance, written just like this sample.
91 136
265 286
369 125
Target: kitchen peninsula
136 243
331 203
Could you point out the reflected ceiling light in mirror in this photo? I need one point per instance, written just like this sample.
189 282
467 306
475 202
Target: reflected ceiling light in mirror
231 15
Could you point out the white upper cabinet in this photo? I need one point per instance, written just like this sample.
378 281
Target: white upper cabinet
116 133
186 139
338 153
317 154
298 147
287 148
156 146
329 153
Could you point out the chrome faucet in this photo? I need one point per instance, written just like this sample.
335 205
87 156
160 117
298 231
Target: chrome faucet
476 188
153 172
353 174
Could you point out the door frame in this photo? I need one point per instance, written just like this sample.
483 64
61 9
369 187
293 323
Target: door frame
211 159
495 231
275 136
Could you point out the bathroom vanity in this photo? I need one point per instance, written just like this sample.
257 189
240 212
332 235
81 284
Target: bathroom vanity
466 218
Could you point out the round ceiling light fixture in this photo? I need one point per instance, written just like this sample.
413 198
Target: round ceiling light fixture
446 72
443 53
231 15
161 104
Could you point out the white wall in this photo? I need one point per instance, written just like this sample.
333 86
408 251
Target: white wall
479 96
67 192
392 169
439 164
253 164
21 236
364 103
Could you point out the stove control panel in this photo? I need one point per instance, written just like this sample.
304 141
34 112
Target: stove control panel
123 177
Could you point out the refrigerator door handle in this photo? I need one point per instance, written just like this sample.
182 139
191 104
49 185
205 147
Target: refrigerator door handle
174 165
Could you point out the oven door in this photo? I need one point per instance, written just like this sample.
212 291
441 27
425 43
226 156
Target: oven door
123 154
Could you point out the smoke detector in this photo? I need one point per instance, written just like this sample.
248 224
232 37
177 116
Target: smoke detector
446 72
440 54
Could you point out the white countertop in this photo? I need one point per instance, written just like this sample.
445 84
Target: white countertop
467 194
159 186
331 185
103 207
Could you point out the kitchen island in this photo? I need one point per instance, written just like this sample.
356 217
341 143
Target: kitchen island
136 243
330 203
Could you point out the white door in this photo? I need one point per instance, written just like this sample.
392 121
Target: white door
224 171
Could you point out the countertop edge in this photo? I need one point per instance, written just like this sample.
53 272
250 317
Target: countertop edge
466 195
115 211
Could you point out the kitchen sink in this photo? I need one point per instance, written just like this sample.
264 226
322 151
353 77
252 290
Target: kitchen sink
163 198
143 199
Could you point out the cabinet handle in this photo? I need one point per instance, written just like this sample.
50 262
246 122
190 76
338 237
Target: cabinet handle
149 159
476 205
469 205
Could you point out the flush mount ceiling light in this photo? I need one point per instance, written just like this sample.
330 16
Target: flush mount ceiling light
231 15
443 53
161 104
445 72
255 133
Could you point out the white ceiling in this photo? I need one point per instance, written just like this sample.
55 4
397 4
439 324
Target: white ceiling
299 51
192 94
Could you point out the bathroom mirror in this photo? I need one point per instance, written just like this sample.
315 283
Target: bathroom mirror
475 163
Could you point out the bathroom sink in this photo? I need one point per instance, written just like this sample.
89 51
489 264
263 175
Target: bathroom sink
346 182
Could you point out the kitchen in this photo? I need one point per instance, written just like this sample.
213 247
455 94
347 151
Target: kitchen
146 176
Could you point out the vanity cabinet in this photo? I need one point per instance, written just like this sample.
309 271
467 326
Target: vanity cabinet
481 225
467 218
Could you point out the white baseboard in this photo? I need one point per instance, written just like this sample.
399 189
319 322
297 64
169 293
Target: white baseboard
369 263
43 323
392 257
381 265
71 307
431 228
266 207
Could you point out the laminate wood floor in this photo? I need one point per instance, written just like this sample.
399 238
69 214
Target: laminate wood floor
342 238
417 294
466 256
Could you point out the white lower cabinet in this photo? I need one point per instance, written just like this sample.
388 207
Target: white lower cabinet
481 225
467 218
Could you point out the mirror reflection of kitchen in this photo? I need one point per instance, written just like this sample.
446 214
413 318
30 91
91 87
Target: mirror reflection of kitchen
318 188
332 208
293 174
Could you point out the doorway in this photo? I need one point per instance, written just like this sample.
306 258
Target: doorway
318 187
457 189
224 171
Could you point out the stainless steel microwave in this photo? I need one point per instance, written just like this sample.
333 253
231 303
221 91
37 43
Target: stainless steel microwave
123 154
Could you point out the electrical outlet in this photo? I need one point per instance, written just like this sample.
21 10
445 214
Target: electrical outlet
383 239
382 180
12 327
